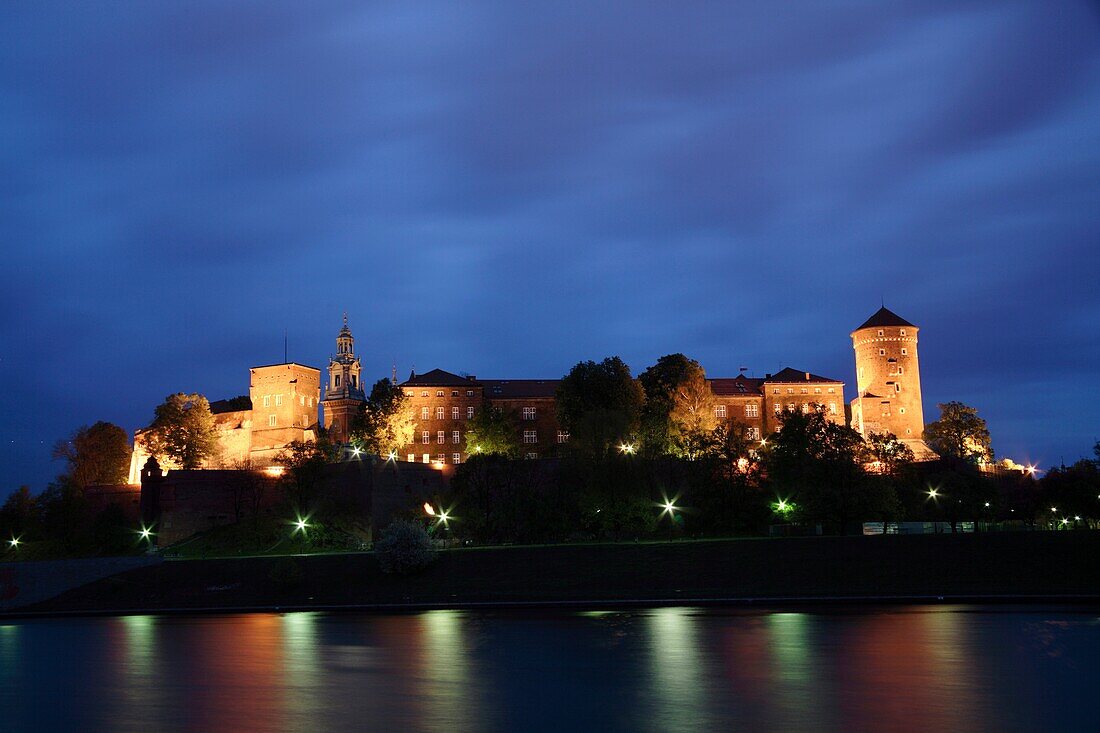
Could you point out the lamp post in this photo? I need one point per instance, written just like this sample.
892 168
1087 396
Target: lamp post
670 509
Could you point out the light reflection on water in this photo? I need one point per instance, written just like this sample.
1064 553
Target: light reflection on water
922 668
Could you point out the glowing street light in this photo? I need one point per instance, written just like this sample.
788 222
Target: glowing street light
14 542
301 524
1053 509
146 533
669 508
391 456
356 451
627 448
429 510
444 517
933 494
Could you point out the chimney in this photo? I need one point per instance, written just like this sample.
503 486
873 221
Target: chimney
807 376
471 377
768 375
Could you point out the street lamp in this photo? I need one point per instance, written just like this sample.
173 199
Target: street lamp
301 524
391 456
933 493
14 542
356 451
627 448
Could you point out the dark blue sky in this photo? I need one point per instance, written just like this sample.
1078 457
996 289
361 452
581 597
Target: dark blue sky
508 188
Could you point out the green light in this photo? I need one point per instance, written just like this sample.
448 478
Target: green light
669 507
300 525
783 507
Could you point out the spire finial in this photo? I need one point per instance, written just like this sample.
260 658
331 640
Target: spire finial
345 319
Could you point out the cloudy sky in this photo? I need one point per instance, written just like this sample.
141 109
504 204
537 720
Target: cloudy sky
508 188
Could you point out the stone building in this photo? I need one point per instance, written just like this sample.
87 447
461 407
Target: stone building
281 407
344 392
888 391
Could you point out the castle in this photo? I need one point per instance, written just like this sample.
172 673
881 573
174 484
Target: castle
285 398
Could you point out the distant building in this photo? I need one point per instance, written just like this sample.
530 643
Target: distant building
344 393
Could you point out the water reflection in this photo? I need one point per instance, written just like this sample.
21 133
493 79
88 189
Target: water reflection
663 669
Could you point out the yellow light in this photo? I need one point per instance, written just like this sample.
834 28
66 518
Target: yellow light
392 456
274 471
933 494
627 448
429 510
1054 508
669 507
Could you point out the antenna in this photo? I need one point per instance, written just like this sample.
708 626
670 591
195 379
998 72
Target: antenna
285 360
393 374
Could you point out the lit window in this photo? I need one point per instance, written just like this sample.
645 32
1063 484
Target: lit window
271 420
456 437
454 413
469 393
805 391
752 410
531 456
456 458
817 390
426 437
778 408
754 433
905 352
470 412
439 412
790 390
720 411
805 408
528 413
441 458
335 380
412 457
302 400
903 332
832 408
424 394
278 400
831 390
425 413
267 401
882 352
439 393
427 458
563 437
530 436
441 437
775 391
790 407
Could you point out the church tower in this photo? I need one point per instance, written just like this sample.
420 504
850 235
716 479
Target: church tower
344 392
888 397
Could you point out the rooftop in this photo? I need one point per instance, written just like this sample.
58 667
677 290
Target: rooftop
884 317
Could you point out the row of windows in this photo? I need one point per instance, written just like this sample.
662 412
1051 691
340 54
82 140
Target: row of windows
805 390
440 393
529 413
279 400
456 458
354 381
904 352
440 437
751 410
791 407
273 423
901 333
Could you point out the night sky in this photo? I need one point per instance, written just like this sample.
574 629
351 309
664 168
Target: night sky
508 188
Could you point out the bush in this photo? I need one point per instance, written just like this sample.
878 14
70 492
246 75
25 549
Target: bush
404 548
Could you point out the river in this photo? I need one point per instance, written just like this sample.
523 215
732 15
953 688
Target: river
921 668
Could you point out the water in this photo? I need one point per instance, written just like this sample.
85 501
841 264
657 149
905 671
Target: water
664 669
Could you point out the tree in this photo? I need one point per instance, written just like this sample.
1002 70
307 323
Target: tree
304 462
817 464
491 432
678 413
99 454
183 430
888 455
405 548
959 434
599 405
18 513
384 423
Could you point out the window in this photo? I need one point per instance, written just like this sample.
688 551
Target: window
882 352
754 433
720 411
901 410
440 457
454 393
832 390
752 410
456 437
454 413
441 437
267 401
427 458
425 412
778 408
531 456
302 400
775 391
897 386
817 390
311 402
530 436
790 407
439 412
901 370
905 352
271 421
880 332
412 457
354 381
902 332
439 393
832 408
335 380
805 391
470 412
790 390
426 437
456 458
278 400
805 408
424 394
563 437
469 393
528 413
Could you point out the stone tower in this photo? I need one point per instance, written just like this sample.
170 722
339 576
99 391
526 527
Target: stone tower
888 398
344 392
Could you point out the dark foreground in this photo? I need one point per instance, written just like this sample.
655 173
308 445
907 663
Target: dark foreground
1016 566
894 668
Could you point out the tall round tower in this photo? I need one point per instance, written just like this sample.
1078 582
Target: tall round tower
888 398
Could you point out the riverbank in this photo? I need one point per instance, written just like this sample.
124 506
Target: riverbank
1032 566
